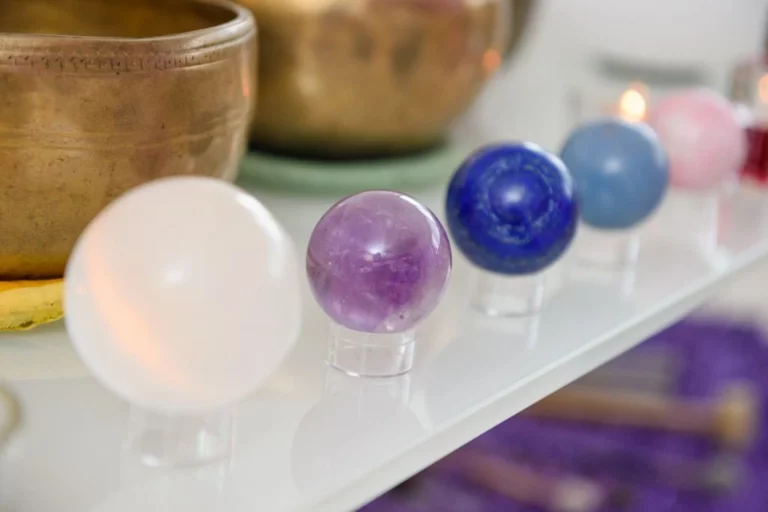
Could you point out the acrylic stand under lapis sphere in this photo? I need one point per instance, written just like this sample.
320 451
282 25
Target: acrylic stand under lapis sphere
511 210
621 172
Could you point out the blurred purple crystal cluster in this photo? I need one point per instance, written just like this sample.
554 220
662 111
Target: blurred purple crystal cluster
633 470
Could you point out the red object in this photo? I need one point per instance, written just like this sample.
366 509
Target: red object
756 166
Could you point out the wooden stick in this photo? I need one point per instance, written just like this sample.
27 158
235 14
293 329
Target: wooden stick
569 494
730 420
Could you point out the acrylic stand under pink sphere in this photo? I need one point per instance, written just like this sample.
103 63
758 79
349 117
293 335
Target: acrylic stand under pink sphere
698 217
707 147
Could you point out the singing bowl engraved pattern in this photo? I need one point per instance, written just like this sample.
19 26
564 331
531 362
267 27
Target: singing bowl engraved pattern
97 97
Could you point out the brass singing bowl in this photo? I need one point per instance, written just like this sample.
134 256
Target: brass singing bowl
98 96
345 78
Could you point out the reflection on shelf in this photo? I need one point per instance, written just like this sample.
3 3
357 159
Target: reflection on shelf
622 280
327 453
163 440
199 489
613 250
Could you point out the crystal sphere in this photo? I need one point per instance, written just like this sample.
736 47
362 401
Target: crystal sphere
378 262
704 139
183 295
620 169
511 208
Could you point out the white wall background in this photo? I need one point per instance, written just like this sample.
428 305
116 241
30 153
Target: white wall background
528 98
713 32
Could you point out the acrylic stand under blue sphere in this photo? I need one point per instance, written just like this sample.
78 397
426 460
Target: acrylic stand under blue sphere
607 249
511 210
621 172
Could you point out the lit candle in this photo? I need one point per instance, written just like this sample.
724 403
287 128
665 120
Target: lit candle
760 114
633 103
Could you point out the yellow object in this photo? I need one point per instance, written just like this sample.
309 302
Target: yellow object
27 304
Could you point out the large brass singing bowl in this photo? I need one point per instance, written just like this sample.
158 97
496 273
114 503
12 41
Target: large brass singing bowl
98 96
371 77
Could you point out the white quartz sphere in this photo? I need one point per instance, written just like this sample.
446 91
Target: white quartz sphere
183 295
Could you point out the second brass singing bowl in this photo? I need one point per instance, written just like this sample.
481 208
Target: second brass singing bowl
345 78
98 96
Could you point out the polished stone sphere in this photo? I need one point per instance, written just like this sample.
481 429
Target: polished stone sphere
702 134
183 296
378 262
621 172
511 208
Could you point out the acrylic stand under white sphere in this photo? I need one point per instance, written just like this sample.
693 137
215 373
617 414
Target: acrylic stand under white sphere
179 327
607 249
501 295
164 440
362 354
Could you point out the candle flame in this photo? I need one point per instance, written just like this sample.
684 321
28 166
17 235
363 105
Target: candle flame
762 88
491 61
633 104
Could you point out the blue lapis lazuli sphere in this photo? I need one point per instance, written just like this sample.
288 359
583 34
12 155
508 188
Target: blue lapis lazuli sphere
511 208
620 169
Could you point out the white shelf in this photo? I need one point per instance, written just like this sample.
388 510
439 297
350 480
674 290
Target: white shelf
315 440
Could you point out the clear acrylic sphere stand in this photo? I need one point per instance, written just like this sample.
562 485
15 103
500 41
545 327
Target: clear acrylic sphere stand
172 441
362 354
521 327
698 218
607 249
367 392
622 281
499 295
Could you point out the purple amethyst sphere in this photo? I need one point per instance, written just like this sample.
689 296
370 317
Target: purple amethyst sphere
378 262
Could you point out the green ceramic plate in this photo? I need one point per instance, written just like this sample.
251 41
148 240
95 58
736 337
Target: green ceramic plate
411 172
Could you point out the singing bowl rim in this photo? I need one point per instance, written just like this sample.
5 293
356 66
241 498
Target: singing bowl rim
235 31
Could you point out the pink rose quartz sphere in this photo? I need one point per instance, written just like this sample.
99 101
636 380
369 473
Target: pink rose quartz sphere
701 132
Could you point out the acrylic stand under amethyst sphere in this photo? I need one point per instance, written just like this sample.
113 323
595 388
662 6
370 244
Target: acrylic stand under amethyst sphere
512 211
621 172
378 263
